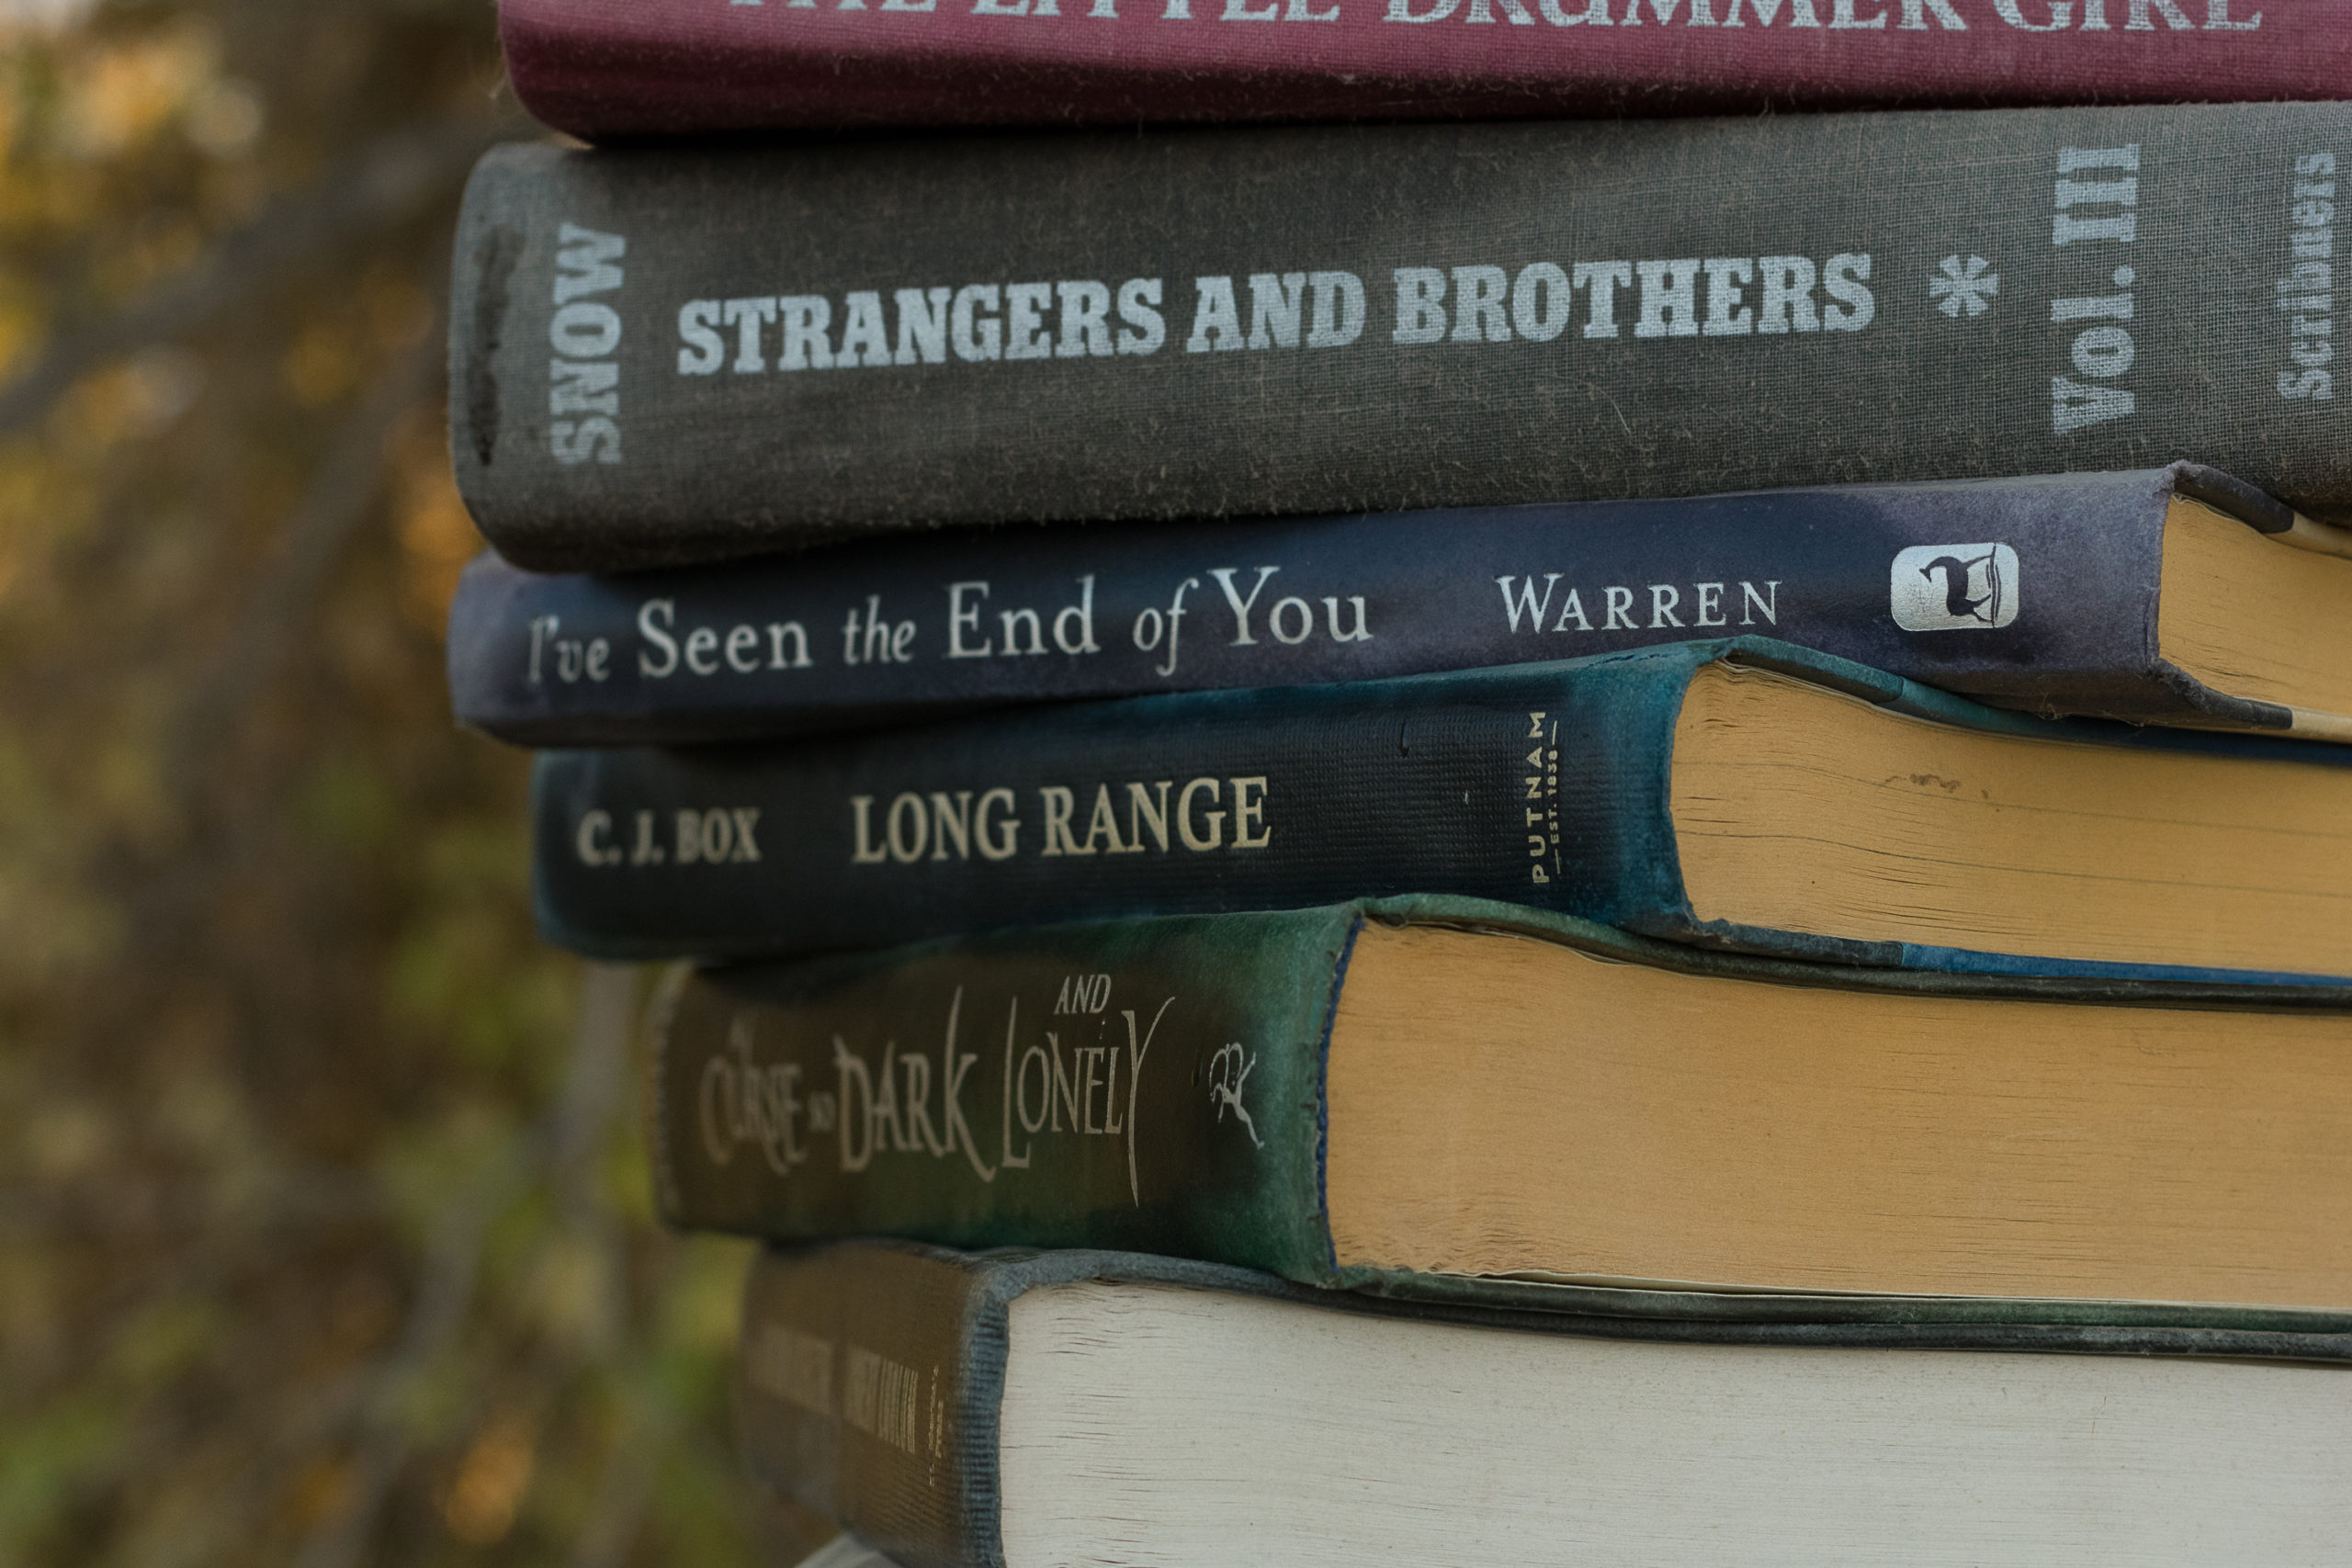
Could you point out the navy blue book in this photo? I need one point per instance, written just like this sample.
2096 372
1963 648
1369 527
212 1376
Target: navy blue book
1742 794
2165 596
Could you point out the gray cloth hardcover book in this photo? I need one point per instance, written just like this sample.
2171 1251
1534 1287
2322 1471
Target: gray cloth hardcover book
668 355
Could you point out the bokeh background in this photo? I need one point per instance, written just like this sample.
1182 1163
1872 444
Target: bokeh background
324 1234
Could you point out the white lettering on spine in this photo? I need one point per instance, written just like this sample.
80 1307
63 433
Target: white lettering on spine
1845 15
1072 1081
796 1366
2097 198
1273 311
2305 295
584 379
1118 817
884 1398
1673 298
1527 606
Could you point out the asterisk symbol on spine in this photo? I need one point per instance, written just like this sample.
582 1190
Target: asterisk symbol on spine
1970 285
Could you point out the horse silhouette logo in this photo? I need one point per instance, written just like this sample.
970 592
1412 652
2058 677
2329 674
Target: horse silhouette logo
1948 588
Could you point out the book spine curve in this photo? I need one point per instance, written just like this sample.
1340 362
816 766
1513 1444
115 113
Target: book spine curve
659 1106
860 1395
488 249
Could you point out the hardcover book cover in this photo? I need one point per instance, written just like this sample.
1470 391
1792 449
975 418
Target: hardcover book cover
632 68
1010 1409
662 356
2044 593
1213 1087
1980 838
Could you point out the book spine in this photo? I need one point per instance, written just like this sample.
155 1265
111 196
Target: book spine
663 357
1151 1087
867 1387
869 634
637 67
871 1377
1544 785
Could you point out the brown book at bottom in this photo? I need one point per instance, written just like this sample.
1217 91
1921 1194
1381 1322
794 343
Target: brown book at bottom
1035 1409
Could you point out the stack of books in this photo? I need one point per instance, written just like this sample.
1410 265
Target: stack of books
1534 838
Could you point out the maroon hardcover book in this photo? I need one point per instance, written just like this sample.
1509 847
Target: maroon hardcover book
613 69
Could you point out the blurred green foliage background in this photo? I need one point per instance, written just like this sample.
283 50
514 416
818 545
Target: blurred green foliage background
325 1232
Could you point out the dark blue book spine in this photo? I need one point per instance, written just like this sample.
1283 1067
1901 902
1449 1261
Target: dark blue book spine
888 632
1542 786
1199 804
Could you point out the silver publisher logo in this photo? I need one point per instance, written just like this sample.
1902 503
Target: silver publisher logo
1950 588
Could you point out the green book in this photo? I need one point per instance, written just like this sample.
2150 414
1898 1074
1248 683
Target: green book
1458 1099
